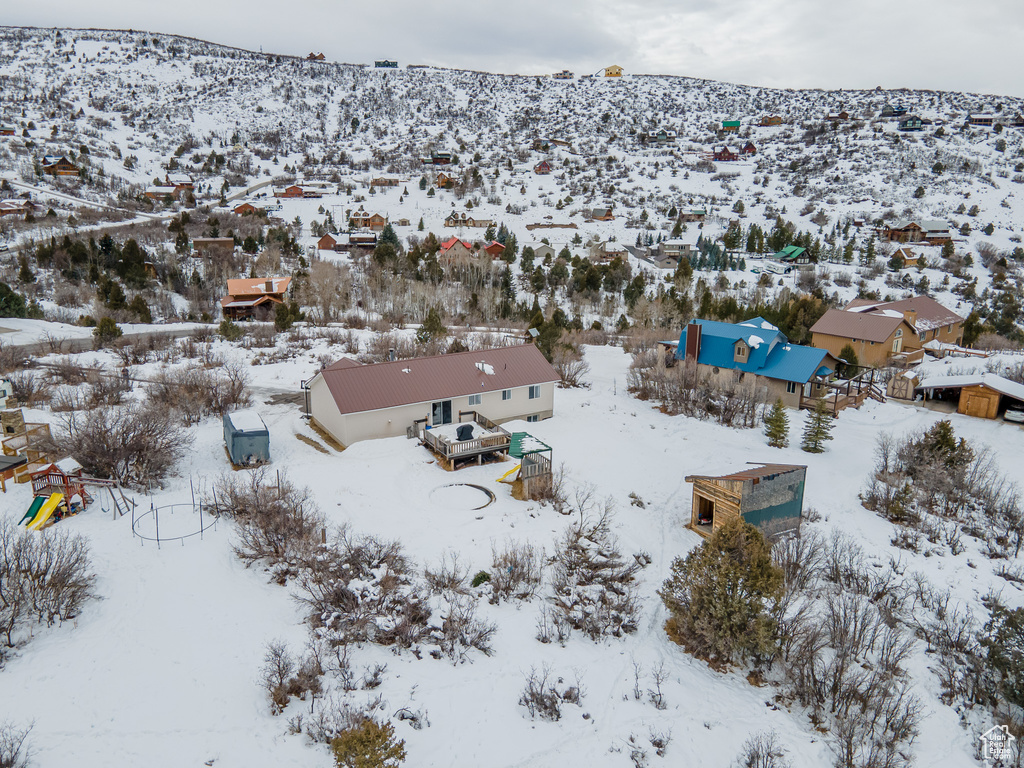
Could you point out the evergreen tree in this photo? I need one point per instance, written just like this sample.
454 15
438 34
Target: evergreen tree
432 327
776 426
849 354
368 745
818 429
25 274
722 595
388 235
420 227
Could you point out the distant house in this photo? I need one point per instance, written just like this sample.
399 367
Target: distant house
245 209
180 181
542 168
386 64
440 158
213 247
455 219
353 402
315 57
7 130
330 242
929 231
613 71
444 181
494 249
602 214
542 251
769 496
670 252
793 254
565 74
254 298
17 208
749 149
659 136
878 331
58 165
731 352
696 215
983 121
402 222
909 257
164 193
730 126
384 181
292 191
911 123
454 249
899 110
610 250
375 222
839 117
362 238
725 155
769 120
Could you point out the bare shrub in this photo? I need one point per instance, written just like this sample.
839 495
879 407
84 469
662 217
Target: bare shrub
278 523
763 750
515 572
571 366
593 586
12 358
44 579
361 589
14 749
134 444
29 389
67 370
332 716
545 693
461 630
283 677
194 392
449 576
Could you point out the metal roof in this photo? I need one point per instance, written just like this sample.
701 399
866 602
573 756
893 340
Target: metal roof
990 380
424 379
857 325
770 352
754 473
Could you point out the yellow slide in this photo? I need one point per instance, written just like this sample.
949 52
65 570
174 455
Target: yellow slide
514 469
46 511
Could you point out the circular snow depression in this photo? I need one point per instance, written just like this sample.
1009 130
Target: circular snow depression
461 496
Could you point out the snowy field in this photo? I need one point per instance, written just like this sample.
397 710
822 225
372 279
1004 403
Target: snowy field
164 669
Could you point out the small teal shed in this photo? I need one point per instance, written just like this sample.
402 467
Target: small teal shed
247 438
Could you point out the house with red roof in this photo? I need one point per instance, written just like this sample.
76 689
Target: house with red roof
455 249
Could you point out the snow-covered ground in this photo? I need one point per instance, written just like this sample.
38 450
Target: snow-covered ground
163 669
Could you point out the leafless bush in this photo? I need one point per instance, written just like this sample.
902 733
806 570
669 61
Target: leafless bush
284 678
552 625
593 585
194 392
29 389
461 630
382 345
260 336
67 370
278 523
571 366
544 694
515 572
12 358
449 576
361 589
14 749
763 750
332 715
134 444
44 579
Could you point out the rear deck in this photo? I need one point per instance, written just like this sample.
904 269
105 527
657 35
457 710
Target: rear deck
489 441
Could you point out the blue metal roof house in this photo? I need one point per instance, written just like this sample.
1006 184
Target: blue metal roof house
793 373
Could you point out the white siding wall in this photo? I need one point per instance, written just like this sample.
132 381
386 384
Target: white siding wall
393 422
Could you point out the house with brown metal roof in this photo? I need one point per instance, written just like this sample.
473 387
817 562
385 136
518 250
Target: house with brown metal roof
353 402
878 331
254 298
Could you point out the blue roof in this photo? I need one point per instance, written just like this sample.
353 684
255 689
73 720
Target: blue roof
771 354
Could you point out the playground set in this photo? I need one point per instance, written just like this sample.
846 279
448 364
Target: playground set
533 472
60 490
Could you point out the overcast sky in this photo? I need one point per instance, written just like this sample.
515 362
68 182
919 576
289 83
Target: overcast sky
831 44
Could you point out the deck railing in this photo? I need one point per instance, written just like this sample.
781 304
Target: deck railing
498 440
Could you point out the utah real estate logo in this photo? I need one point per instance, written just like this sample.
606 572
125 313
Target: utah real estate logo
997 743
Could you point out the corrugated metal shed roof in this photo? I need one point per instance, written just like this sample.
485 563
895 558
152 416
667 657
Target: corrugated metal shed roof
754 473
424 379
990 380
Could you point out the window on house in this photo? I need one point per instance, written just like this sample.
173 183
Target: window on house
533 418
441 413
474 399
790 387
741 351
923 335
506 394
899 332
535 391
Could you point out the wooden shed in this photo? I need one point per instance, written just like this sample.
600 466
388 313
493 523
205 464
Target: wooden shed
983 395
770 496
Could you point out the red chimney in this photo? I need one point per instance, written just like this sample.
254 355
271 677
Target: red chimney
693 332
